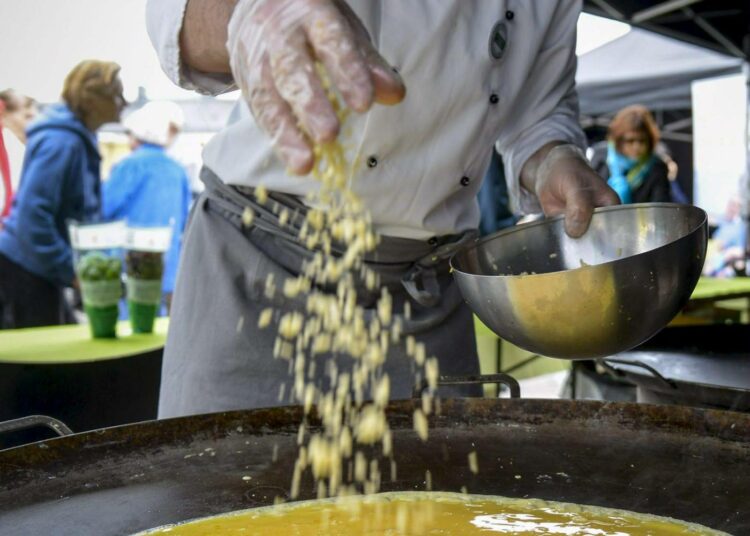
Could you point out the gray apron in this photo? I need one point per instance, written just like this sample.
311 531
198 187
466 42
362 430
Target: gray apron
216 358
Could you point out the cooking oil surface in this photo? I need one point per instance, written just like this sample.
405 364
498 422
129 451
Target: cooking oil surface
434 514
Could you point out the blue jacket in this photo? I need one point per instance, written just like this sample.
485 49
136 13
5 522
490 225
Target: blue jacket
150 189
59 182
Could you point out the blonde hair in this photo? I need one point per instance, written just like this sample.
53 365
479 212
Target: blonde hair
88 81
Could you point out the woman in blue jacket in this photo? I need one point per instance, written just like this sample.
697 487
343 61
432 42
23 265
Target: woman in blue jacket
59 182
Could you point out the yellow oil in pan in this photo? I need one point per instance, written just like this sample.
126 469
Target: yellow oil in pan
434 513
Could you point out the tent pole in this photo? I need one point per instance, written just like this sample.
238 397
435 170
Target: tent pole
746 177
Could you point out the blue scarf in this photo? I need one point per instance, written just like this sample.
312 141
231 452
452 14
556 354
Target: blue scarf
626 174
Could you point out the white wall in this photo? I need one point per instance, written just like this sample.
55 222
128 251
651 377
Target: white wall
42 40
719 140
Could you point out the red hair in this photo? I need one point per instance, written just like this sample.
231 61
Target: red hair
635 117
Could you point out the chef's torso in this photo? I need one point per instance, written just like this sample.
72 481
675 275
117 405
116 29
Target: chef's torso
477 72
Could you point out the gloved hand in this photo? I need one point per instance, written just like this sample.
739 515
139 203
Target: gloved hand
273 46
566 184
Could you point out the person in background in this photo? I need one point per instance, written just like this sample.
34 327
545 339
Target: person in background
629 162
727 258
5 186
19 111
676 193
16 113
149 188
60 182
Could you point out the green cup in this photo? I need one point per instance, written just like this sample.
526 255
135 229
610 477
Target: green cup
100 303
142 316
144 300
103 321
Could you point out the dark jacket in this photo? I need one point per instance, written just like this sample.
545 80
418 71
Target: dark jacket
655 186
59 182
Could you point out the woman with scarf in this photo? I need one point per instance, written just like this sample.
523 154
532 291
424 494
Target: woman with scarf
630 164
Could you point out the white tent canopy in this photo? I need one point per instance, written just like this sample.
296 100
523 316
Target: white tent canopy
645 68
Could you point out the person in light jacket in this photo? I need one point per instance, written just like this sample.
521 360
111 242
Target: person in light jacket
148 188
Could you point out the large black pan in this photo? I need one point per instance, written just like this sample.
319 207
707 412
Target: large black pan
688 463
703 366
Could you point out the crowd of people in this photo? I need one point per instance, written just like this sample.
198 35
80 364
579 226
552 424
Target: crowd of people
50 168
55 179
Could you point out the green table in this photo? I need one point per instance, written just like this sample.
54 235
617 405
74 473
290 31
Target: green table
717 301
86 383
714 289
73 344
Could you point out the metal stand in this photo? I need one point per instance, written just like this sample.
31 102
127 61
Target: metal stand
32 421
498 379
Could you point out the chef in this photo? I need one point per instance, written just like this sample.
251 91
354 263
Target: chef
432 85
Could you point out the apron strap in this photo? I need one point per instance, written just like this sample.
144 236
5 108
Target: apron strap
419 278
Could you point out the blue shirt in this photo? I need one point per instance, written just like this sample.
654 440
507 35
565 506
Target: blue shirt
59 182
150 189
731 233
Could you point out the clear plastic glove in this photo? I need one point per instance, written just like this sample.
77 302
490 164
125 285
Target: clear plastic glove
273 47
566 184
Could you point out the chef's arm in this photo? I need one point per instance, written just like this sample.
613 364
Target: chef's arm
190 37
204 35
564 183
541 144
270 50
531 167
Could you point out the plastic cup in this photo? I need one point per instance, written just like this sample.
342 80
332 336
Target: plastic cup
144 300
100 304
102 321
142 316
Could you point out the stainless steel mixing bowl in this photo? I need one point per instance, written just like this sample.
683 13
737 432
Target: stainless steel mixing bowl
603 293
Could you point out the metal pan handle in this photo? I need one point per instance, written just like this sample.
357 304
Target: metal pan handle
32 421
669 383
499 378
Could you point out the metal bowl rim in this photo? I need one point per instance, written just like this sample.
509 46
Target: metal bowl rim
547 221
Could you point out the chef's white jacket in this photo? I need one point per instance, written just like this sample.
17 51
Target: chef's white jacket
478 73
